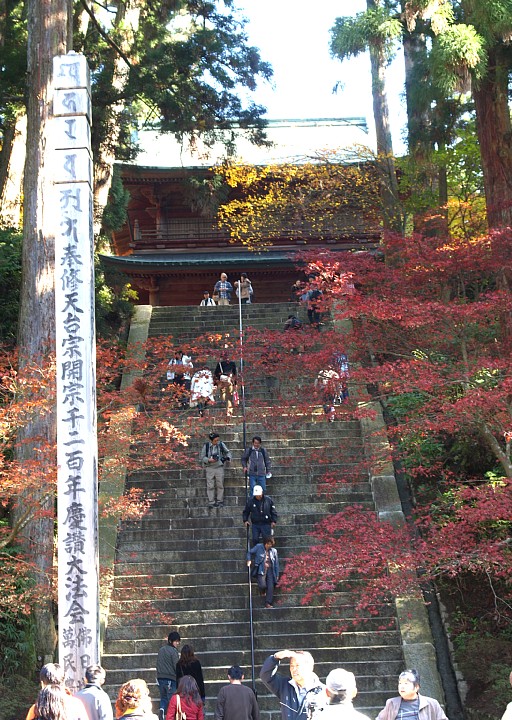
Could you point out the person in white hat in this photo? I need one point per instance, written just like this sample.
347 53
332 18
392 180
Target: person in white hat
262 512
341 689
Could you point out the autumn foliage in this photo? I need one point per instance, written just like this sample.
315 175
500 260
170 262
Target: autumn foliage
317 197
427 333
429 336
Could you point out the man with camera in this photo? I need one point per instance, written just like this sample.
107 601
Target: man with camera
214 455
299 694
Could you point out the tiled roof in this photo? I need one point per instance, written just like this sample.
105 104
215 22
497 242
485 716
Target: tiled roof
293 141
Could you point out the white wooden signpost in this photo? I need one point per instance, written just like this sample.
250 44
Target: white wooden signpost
77 454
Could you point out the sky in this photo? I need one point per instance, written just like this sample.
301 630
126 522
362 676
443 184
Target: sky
293 36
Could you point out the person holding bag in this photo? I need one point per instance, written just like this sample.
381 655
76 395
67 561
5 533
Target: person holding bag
225 377
186 703
266 566
243 289
188 664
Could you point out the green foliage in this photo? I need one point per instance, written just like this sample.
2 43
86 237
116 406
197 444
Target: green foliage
115 213
493 18
206 194
485 662
10 281
17 694
114 300
454 53
114 296
13 67
350 36
17 653
190 69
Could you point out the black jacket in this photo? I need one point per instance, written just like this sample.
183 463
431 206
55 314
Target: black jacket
260 511
195 670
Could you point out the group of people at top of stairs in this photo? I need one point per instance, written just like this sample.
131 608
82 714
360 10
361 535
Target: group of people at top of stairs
259 511
198 390
309 296
301 694
223 291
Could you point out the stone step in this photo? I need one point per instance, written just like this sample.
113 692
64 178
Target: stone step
231 579
284 481
221 320
231 514
232 538
338 435
189 598
150 543
354 476
328 638
211 623
183 607
343 454
280 487
286 504
232 570
212 658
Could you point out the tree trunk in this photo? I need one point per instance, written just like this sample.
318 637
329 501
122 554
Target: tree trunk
495 138
417 101
48 35
127 17
419 124
385 158
12 161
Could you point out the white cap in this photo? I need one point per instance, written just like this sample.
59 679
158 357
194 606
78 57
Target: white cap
339 680
258 490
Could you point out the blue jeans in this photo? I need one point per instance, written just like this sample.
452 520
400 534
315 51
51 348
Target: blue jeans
167 689
257 528
267 582
257 480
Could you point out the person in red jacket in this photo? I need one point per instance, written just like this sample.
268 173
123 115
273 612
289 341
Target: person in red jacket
188 697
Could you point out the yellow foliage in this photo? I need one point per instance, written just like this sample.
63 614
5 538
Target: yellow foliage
298 201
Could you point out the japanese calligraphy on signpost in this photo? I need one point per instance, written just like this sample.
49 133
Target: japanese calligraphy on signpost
77 454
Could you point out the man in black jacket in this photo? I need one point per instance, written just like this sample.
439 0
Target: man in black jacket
261 510
298 694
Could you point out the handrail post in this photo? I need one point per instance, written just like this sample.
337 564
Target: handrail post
251 619
246 477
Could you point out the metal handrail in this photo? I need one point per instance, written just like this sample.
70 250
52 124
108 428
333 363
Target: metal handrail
246 477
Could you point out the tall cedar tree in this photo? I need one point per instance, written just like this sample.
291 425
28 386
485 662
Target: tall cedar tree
376 32
49 26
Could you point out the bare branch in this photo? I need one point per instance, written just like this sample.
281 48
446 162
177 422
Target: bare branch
104 35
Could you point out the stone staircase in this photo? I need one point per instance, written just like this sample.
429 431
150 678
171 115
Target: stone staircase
183 566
